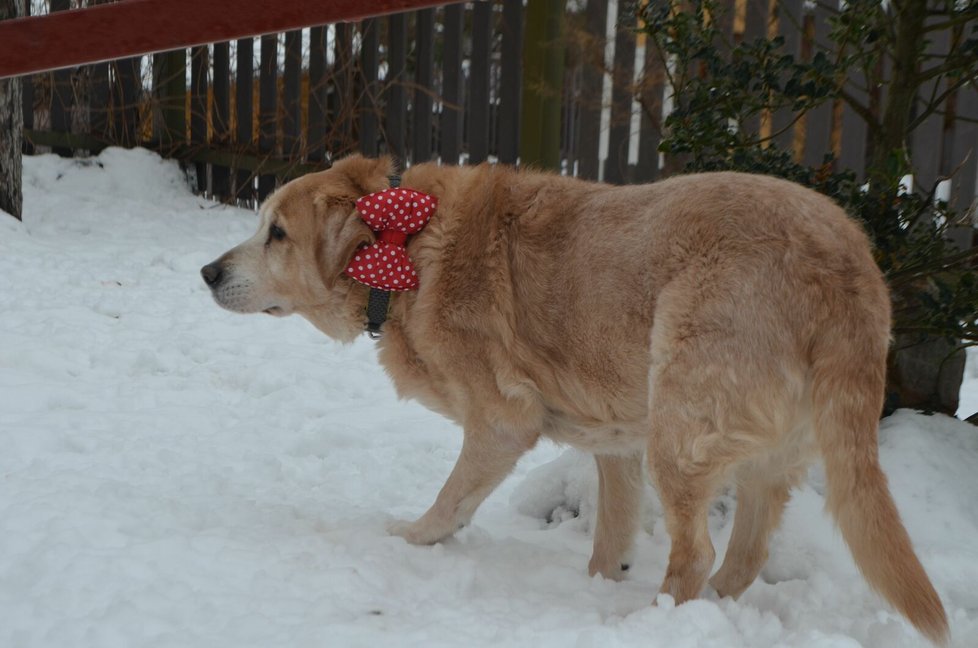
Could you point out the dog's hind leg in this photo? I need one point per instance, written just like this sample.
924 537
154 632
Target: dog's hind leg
761 499
619 496
486 459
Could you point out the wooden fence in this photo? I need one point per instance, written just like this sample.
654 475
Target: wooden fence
444 84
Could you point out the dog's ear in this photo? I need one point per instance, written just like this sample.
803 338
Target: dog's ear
342 235
365 175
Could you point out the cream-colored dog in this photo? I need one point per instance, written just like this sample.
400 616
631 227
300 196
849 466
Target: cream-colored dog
726 326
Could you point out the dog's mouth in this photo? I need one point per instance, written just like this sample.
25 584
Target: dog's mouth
276 311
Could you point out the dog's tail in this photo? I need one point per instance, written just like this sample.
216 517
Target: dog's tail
848 380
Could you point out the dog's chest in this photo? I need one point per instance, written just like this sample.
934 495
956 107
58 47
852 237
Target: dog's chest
617 437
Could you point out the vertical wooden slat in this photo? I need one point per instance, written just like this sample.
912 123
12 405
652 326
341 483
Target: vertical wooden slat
27 96
267 106
98 105
198 109
510 81
221 118
854 131
171 89
343 85
592 80
369 58
126 91
423 90
926 140
478 104
755 27
964 159
450 143
818 121
616 165
243 112
62 95
292 100
396 121
316 131
650 125
789 16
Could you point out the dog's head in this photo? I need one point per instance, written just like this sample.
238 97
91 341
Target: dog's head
308 231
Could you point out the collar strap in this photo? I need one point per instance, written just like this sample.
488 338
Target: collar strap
379 301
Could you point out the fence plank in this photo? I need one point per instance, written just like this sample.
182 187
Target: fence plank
221 117
98 100
292 96
369 61
267 106
477 136
616 164
27 95
244 115
424 88
344 91
198 109
650 125
318 106
62 95
790 22
964 159
450 142
818 121
511 58
927 139
592 81
755 27
396 123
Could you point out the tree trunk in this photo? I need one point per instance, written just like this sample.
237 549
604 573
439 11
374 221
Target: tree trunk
11 129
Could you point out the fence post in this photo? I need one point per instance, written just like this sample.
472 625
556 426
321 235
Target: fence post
508 143
27 92
616 164
267 103
62 94
243 113
423 75
170 82
198 110
450 124
220 118
592 83
368 68
292 96
316 131
396 102
478 105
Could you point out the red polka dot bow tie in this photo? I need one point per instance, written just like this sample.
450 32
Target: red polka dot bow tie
393 214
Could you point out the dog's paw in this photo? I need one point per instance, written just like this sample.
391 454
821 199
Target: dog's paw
416 533
613 570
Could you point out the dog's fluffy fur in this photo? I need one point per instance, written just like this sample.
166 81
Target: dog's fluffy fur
725 326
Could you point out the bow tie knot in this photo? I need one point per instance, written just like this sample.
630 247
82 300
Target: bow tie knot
394 214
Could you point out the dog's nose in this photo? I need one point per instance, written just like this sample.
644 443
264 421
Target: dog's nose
211 273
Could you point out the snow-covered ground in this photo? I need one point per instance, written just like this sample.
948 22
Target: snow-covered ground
172 474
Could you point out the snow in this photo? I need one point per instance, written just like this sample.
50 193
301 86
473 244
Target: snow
177 475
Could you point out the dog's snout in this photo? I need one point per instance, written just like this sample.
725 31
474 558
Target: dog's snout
212 274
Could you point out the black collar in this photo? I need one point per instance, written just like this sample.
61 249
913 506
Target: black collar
379 301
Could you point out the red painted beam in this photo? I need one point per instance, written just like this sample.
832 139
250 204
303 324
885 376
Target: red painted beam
129 27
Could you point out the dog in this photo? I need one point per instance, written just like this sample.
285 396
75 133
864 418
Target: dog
717 328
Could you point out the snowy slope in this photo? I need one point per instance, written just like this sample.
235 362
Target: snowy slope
175 475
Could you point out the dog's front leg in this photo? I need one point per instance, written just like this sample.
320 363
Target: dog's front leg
487 457
619 498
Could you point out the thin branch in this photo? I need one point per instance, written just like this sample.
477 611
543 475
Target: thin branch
934 104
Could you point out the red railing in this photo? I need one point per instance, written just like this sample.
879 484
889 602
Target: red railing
129 27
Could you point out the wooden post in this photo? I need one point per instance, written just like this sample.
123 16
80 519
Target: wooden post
592 81
616 165
221 118
292 96
27 82
423 90
125 97
243 113
510 82
170 84
478 105
316 131
62 94
543 78
267 105
396 102
369 110
198 109
450 142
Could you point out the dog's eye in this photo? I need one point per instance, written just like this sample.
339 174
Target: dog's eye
276 232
